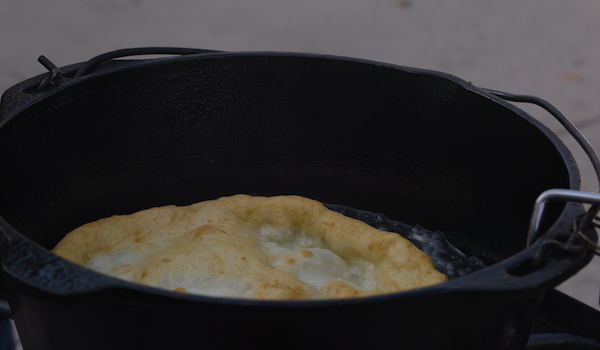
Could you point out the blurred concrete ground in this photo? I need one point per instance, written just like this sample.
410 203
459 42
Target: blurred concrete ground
546 48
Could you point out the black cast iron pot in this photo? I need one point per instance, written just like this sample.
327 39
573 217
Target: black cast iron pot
421 147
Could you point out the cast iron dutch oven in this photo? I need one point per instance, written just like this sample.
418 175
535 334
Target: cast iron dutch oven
421 147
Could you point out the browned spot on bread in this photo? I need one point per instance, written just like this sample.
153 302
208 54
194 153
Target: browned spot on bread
138 240
204 229
166 260
180 290
270 291
339 289
381 244
306 253
144 274
119 267
290 261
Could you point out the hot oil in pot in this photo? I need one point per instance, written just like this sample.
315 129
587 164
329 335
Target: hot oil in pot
447 259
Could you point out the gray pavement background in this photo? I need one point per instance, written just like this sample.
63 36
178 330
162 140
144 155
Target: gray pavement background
546 48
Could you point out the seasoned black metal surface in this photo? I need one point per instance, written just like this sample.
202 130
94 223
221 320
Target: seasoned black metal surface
406 144
422 147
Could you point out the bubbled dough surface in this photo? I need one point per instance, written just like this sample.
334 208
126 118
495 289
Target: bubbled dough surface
284 247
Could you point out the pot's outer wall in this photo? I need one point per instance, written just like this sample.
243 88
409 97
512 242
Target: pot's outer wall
470 321
422 148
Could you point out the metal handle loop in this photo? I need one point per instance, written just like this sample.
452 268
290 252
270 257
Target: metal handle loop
89 65
566 123
559 194
54 71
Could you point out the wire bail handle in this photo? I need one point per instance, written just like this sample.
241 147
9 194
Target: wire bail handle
54 71
562 194
578 225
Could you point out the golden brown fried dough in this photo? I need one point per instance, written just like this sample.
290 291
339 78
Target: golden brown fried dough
284 247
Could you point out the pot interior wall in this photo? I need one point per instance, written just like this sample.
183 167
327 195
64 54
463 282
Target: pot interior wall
419 148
